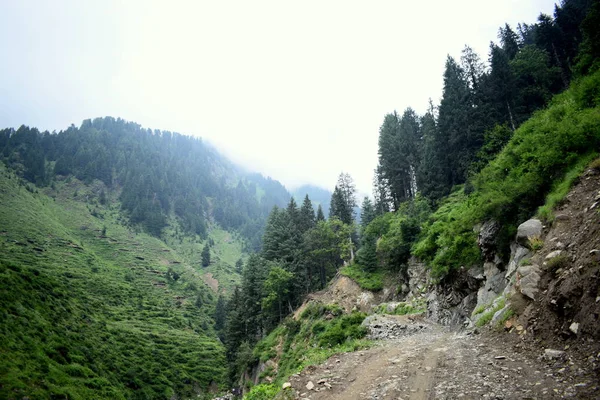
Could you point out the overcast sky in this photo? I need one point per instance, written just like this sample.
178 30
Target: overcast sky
295 90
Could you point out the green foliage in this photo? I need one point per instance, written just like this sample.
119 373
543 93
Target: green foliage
507 315
489 314
205 256
160 175
561 188
367 280
86 316
540 153
321 331
263 391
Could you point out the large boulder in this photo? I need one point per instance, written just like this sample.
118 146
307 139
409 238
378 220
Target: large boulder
528 280
529 229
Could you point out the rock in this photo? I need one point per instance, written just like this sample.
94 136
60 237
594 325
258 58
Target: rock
310 385
518 253
286 385
321 381
596 254
529 229
551 354
487 239
562 217
528 278
499 315
553 254
500 357
574 327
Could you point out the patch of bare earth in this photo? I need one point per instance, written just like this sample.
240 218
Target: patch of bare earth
211 281
432 362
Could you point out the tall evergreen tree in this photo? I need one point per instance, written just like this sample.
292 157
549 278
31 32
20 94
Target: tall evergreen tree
453 123
307 215
368 212
205 256
320 215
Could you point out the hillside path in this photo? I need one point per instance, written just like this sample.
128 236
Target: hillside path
419 360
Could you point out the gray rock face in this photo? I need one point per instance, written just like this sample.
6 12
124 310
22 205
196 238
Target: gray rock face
529 278
529 228
518 253
487 239
494 284
499 315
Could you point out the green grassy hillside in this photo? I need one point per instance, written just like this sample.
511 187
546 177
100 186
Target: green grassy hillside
89 308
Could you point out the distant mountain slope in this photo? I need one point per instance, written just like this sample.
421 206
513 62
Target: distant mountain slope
317 196
91 309
157 174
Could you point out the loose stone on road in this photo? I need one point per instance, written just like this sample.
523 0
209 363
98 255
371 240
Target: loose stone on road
415 359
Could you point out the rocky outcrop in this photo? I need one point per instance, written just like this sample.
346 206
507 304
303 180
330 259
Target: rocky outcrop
452 301
529 230
486 239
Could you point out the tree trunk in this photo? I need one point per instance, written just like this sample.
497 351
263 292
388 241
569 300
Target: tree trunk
512 121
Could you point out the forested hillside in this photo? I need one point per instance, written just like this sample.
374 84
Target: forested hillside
158 175
90 309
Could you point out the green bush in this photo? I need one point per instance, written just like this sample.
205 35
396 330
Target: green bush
367 280
262 392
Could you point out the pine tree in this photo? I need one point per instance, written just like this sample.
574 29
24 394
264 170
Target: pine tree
367 212
367 255
453 123
220 314
205 256
307 215
509 41
320 215
239 266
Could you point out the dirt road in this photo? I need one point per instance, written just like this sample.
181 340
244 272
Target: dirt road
418 360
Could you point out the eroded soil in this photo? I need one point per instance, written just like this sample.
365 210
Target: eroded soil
432 362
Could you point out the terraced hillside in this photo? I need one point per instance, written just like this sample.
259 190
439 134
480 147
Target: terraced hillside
90 308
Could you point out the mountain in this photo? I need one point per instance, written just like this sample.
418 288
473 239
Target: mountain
161 178
104 292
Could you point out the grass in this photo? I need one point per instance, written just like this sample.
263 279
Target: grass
507 315
87 316
535 242
401 309
558 262
562 187
488 315
372 281
320 332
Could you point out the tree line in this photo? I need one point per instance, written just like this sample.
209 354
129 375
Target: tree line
482 104
158 174
301 252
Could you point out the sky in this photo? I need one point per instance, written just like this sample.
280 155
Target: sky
296 90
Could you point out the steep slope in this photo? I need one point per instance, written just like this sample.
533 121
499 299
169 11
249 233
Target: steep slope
158 174
92 309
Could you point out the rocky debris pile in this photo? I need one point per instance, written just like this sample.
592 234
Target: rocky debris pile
383 327
476 369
